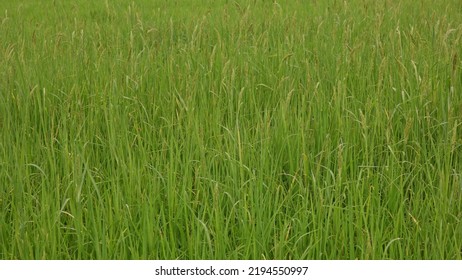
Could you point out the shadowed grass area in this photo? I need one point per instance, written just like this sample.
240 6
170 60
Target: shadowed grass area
231 129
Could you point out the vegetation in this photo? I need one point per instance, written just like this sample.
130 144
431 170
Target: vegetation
231 129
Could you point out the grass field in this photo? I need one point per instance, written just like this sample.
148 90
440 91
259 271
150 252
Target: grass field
231 129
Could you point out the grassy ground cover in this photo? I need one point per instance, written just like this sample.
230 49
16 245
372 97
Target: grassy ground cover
231 129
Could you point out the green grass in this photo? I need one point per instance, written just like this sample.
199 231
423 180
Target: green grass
231 129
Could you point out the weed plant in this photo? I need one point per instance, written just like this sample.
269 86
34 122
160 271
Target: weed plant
231 129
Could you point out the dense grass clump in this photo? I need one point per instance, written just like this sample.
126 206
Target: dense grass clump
231 129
